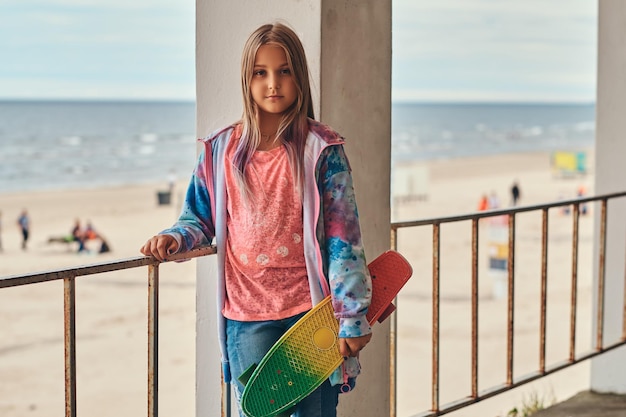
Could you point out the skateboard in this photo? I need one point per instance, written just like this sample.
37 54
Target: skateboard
308 353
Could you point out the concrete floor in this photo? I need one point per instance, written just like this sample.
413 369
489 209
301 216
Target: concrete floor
587 404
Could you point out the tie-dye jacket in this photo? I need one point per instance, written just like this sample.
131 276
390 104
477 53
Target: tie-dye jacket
334 254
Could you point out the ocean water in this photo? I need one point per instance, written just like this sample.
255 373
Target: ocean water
433 131
48 145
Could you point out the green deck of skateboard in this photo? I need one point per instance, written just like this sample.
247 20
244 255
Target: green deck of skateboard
298 361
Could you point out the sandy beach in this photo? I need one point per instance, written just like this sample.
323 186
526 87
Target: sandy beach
455 187
111 325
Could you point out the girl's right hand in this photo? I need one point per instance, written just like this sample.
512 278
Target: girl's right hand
160 247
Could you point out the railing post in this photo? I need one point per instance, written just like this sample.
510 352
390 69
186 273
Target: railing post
574 294
475 308
511 301
153 340
69 315
601 277
435 319
544 292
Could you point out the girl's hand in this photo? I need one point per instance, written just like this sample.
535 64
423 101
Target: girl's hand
160 247
352 346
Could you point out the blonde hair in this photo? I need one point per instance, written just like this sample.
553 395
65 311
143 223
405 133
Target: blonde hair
293 128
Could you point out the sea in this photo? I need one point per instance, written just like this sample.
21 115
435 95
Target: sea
84 144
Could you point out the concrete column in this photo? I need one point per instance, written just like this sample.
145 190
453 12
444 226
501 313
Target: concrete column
608 371
356 100
348 45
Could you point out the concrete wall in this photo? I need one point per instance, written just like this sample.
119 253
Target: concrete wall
348 46
608 372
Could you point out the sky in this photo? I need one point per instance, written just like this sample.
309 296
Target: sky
494 50
443 50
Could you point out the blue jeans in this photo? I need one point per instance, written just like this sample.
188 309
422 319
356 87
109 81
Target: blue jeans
248 342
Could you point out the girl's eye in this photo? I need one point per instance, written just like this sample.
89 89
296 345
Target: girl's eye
259 73
285 71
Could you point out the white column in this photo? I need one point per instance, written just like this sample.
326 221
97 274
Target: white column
348 45
608 371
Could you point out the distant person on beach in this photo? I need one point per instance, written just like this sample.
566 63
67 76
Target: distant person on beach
171 181
77 235
275 191
23 222
90 233
494 201
82 236
515 193
483 203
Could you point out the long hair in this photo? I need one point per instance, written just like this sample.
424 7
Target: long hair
293 128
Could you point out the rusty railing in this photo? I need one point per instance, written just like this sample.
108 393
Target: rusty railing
69 277
509 216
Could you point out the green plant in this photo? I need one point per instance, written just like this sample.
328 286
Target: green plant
531 404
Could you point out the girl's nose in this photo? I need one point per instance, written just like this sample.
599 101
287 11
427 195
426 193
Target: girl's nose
273 83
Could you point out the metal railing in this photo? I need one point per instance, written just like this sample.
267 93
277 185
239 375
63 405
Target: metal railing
510 222
69 306
70 275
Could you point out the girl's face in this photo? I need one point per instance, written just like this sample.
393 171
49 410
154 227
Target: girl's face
273 86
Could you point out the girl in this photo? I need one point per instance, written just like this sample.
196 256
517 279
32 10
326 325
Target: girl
275 190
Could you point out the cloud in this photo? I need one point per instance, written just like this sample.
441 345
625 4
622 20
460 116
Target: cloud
484 47
89 48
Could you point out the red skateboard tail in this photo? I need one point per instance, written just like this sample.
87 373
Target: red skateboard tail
390 271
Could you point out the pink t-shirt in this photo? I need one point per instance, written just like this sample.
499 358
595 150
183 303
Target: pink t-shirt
266 276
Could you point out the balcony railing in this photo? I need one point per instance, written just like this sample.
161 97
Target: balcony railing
69 277
509 216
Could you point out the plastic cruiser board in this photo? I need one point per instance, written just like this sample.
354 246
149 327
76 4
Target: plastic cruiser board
308 353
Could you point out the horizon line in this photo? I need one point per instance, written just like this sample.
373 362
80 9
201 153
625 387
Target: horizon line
393 102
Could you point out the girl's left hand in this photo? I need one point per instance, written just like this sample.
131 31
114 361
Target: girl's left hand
353 345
